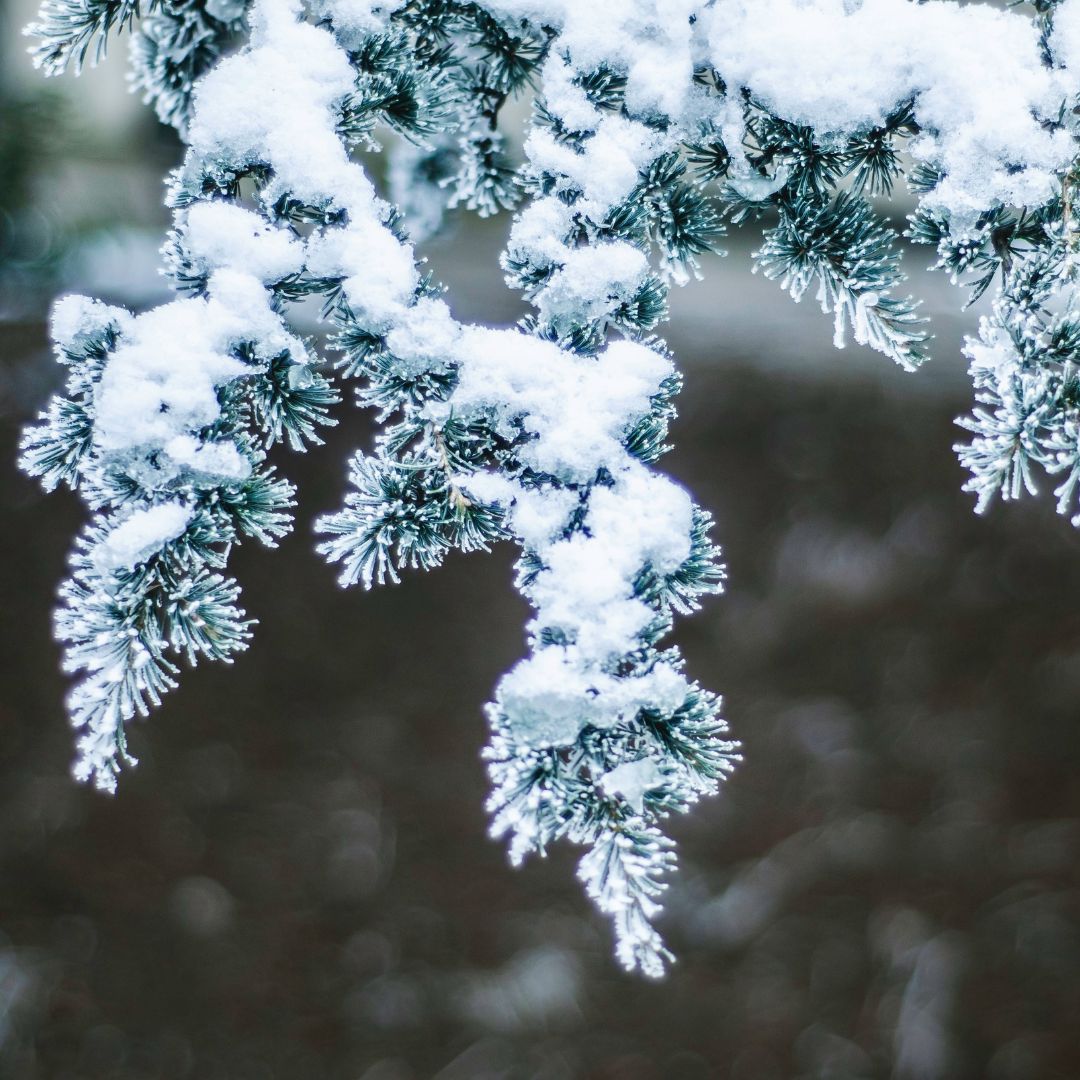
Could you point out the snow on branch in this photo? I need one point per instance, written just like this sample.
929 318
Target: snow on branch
653 125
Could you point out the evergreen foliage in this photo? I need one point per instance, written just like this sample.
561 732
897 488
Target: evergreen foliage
649 128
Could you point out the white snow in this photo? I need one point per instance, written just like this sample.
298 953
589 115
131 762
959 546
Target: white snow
142 535
215 461
586 589
975 73
579 408
425 338
587 592
380 273
592 280
537 516
162 380
1065 41
564 99
264 105
647 514
607 168
220 234
550 697
540 229
353 20
650 40
74 315
632 780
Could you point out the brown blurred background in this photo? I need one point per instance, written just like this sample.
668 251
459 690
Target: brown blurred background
296 881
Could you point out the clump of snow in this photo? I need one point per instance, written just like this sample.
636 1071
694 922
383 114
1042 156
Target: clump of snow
578 408
217 462
354 20
586 593
142 535
162 380
276 104
586 589
537 515
263 105
592 280
564 98
975 75
607 167
632 780
538 231
379 272
650 40
647 514
75 316
221 234
549 698
1065 41
425 338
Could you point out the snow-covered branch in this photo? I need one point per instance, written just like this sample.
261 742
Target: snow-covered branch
652 122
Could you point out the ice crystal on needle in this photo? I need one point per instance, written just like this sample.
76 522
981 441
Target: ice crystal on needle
653 121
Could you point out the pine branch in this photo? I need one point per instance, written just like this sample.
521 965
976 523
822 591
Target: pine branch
851 255
546 433
67 30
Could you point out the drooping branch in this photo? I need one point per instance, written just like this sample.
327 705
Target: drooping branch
650 126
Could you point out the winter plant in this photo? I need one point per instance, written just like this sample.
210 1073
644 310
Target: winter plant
652 121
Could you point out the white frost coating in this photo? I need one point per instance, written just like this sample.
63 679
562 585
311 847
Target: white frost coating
632 780
221 234
142 535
